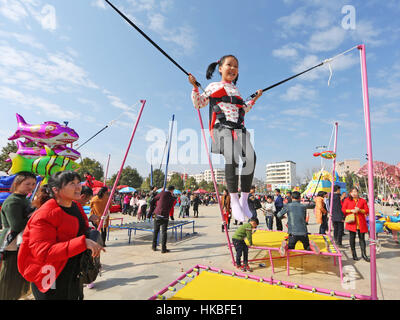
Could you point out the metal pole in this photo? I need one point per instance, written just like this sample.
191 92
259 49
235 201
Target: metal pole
371 201
216 187
333 180
169 149
108 163
120 170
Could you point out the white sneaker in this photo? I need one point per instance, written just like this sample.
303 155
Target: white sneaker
245 205
237 211
282 248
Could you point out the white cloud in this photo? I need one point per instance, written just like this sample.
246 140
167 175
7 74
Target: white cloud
327 40
18 10
22 38
31 71
12 10
99 3
299 92
36 103
285 52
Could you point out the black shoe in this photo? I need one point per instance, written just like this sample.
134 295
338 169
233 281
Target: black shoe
355 258
365 257
154 249
165 251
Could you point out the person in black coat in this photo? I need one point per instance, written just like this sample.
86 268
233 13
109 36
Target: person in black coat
337 216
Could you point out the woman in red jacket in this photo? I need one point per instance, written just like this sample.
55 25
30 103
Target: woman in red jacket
359 207
53 241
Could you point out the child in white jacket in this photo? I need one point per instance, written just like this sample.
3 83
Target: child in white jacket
269 210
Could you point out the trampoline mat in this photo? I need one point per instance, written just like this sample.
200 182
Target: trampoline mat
273 239
213 286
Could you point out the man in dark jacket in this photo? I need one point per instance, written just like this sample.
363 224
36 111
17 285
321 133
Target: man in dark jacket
164 202
253 202
278 207
297 228
337 216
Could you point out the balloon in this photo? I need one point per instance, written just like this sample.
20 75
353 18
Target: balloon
325 154
36 152
43 166
49 133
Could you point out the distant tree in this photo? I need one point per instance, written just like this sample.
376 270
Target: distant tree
203 185
92 166
10 147
191 184
176 181
129 177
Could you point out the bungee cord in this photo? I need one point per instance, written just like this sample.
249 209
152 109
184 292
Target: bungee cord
106 126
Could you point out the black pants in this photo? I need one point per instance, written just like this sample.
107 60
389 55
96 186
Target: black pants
163 224
233 146
324 225
196 211
361 237
278 221
293 240
104 235
241 249
338 228
68 285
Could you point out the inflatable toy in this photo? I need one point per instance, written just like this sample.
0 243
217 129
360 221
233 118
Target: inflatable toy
325 154
43 166
49 133
40 151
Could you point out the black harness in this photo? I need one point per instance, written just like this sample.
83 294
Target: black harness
217 114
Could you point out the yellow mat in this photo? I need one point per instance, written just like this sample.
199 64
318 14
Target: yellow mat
213 286
273 239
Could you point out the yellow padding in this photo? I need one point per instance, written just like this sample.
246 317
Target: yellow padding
393 225
213 286
273 239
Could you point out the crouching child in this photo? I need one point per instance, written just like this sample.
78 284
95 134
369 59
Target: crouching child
244 231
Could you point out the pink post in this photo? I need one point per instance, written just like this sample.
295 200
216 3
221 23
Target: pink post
215 187
371 198
122 166
108 163
333 180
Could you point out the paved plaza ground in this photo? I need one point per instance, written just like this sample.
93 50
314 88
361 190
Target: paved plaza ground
134 271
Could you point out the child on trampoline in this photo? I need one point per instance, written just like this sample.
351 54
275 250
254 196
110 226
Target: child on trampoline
297 228
229 136
244 231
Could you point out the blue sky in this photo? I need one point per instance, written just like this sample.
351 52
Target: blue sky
78 61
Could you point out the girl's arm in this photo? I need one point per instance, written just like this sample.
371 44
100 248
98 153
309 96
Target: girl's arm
200 100
250 104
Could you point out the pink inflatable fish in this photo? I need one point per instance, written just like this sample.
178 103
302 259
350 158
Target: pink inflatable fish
36 152
49 133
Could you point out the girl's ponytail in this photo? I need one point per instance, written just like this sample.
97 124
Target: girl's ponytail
211 69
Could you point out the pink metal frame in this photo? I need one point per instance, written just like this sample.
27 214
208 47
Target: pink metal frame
371 195
333 179
270 280
122 166
301 252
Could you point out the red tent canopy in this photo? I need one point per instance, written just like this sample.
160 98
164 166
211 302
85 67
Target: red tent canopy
201 191
122 186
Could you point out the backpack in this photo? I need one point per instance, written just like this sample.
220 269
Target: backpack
90 267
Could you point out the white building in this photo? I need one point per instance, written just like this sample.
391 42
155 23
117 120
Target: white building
198 177
281 175
218 173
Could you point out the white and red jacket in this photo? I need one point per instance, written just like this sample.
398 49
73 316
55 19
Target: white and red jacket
217 90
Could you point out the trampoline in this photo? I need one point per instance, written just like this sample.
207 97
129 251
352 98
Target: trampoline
208 283
148 226
270 241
